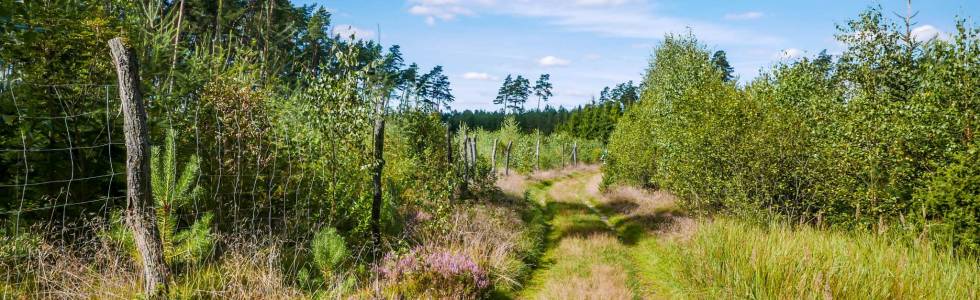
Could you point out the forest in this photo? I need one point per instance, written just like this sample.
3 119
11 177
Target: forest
189 149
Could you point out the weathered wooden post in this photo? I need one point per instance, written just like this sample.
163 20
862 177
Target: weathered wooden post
140 210
473 146
493 157
464 157
562 155
575 154
507 161
379 145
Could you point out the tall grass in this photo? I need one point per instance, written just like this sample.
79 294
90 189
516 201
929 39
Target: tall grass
728 259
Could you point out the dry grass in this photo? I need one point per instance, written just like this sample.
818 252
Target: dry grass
61 273
250 270
554 174
516 184
603 282
586 268
513 185
100 269
493 236
500 237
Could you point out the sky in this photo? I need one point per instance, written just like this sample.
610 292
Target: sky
588 44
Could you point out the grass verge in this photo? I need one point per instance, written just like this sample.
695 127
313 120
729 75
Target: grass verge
730 259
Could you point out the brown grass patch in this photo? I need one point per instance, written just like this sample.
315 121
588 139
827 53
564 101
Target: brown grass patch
588 271
604 282
655 210
100 269
512 185
647 202
554 174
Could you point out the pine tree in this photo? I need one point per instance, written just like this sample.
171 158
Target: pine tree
519 90
504 94
542 89
720 60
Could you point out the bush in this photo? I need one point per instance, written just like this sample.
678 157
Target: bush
843 141
329 251
951 197
440 275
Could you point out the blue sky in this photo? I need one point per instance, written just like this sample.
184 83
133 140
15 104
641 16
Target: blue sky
588 44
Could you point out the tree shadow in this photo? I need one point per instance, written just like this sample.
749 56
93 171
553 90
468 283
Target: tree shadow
619 206
584 229
566 208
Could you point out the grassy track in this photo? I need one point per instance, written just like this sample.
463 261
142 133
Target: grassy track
632 244
590 240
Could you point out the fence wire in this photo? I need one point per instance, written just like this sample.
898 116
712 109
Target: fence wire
63 176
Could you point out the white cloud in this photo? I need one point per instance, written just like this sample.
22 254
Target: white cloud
789 54
617 18
551 61
478 76
444 10
926 33
346 30
593 56
749 15
600 2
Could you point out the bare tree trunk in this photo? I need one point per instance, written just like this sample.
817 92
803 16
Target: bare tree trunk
379 144
507 161
493 157
140 210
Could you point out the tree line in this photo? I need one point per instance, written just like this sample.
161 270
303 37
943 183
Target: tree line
594 120
880 137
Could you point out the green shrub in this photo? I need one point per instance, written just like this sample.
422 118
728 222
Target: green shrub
843 141
16 242
172 192
951 201
329 251
439 275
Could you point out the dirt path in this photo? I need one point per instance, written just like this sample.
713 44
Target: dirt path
590 242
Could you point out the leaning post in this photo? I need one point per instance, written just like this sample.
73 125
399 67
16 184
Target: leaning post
140 210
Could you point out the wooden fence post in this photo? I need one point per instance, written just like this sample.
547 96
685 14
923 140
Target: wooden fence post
473 146
507 161
575 154
379 146
464 157
561 155
140 210
493 157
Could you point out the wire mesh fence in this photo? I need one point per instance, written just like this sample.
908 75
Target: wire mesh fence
63 178
223 175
